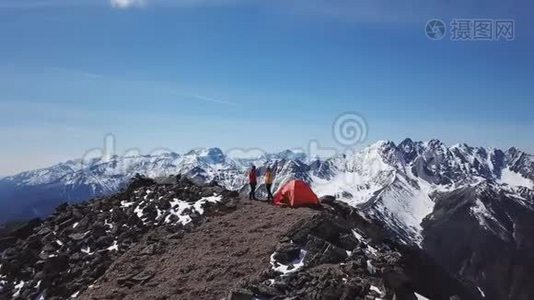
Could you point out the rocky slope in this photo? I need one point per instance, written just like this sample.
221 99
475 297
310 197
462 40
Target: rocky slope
484 234
337 254
68 251
178 240
204 263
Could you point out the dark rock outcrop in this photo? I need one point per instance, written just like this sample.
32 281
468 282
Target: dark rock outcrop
67 252
340 255
484 235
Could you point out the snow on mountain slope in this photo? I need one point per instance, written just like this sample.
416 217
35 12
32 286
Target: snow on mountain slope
46 175
402 206
37 192
396 184
355 178
520 162
393 182
350 187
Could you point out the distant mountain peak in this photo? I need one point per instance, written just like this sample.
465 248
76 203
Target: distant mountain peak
210 151
382 143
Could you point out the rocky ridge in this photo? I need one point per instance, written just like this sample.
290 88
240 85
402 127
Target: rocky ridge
135 244
337 254
64 254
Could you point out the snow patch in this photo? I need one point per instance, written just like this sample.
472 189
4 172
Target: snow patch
512 178
370 268
18 287
87 251
358 236
113 247
110 225
481 292
292 267
369 250
139 211
420 297
486 219
375 289
126 203
213 199
183 209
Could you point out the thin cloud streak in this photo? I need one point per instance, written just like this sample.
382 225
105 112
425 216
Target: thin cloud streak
154 85
212 100
76 72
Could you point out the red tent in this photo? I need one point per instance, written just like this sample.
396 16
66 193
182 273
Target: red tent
296 193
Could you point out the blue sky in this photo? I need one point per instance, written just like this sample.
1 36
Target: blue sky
264 74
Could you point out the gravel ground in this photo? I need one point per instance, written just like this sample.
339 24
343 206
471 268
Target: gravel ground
206 263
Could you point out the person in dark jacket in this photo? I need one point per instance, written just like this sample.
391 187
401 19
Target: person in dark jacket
252 181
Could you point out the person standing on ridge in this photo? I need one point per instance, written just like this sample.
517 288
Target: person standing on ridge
252 181
269 183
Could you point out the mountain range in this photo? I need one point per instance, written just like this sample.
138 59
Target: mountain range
377 177
470 208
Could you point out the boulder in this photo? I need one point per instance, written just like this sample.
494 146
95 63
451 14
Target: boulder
287 253
327 199
320 251
240 294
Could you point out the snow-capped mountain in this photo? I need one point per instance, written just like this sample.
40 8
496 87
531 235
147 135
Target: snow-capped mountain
38 192
475 202
378 178
472 209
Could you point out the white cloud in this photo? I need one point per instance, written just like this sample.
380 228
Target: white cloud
127 3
